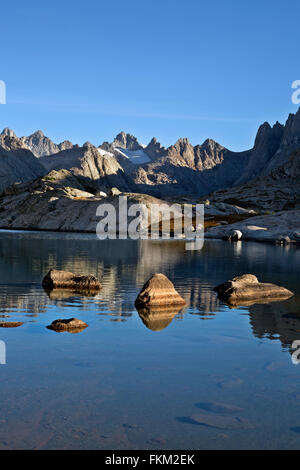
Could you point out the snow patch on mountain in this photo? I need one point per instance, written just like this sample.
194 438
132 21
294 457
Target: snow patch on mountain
104 152
138 157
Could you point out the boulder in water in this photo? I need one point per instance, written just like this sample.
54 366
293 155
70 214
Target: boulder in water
158 291
64 279
247 288
69 324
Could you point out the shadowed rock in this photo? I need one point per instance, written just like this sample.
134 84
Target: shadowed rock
158 318
69 324
158 291
247 288
64 279
10 324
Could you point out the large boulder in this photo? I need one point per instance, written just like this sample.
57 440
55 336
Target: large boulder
69 324
64 279
158 290
246 288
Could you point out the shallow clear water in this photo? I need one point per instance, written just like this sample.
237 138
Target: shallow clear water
127 382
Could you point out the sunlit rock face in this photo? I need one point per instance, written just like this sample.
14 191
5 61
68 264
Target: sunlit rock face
247 288
158 291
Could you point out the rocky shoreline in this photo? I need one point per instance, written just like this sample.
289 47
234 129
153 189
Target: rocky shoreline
282 227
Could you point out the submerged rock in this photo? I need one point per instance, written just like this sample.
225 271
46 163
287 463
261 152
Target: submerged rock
64 279
10 324
248 288
220 421
158 291
69 324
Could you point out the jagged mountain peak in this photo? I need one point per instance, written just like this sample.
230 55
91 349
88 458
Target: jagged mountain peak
38 133
210 144
126 141
41 145
183 141
8 132
88 144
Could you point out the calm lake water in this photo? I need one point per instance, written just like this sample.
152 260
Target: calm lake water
206 377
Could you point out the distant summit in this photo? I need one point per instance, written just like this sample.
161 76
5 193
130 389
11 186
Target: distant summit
38 143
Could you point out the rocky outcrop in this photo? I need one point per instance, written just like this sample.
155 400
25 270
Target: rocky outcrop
248 288
266 145
56 202
93 170
278 227
158 291
155 150
126 141
11 143
8 132
280 190
63 279
290 141
72 325
221 208
17 165
123 141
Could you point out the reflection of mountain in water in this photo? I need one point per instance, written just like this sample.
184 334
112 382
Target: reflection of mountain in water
277 321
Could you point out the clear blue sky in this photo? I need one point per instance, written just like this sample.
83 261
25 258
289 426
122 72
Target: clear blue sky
170 68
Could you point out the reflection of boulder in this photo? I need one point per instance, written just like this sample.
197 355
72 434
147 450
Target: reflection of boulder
157 291
158 318
63 294
277 321
72 325
249 303
63 279
247 288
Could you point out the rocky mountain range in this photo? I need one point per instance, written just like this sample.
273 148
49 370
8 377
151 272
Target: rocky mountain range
38 143
179 170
